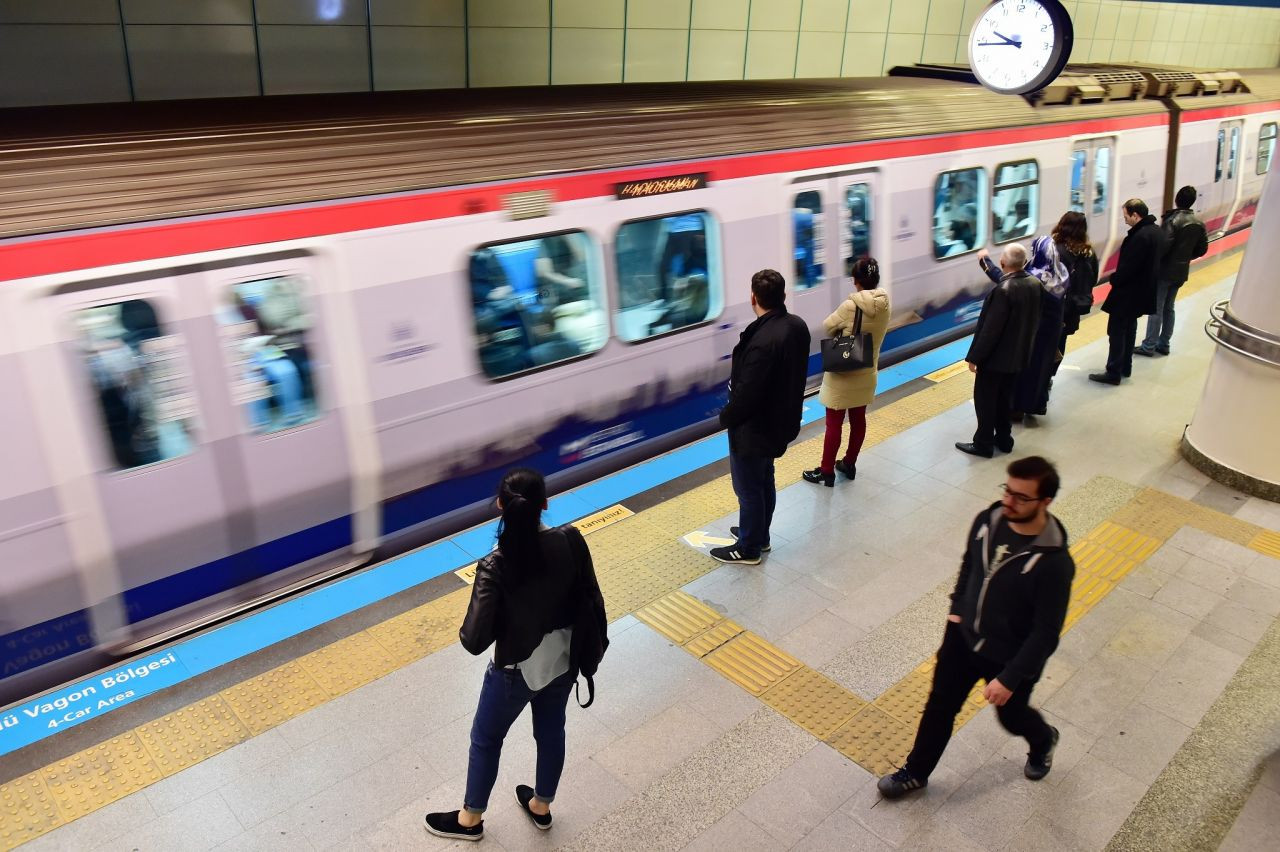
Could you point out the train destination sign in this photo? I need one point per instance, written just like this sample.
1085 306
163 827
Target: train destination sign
660 186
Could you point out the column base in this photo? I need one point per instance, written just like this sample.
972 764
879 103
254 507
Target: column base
1242 482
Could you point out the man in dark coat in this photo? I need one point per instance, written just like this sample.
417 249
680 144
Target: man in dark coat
1133 289
1007 611
1001 348
766 395
1185 240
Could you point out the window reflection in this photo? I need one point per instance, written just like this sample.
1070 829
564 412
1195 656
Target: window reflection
667 277
1101 176
1077 181
959 217
1015 201
1266 147
858 216
806 217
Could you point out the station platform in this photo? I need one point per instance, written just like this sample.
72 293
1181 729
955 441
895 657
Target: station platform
754 707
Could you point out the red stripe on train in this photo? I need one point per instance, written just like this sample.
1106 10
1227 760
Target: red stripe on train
89 249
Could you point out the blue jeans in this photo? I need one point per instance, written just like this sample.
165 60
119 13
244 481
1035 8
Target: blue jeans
502 699
1160 324
753 483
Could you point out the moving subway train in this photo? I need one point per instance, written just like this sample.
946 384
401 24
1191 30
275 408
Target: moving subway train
240 353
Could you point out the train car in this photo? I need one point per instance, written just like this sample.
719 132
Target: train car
243 352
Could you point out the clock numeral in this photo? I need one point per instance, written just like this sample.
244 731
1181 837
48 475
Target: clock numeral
1044 28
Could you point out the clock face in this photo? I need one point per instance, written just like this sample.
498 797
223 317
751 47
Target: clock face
1019 46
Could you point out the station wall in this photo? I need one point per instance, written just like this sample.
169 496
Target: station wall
81 51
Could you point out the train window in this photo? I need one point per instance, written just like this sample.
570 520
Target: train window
857 210
536 301
1101 178
810 253
1077 180
1015 200
144 394
1266 146
264 325
959 219
1222 145
668 274
1232 153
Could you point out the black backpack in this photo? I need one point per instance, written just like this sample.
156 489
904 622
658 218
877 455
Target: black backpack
590 624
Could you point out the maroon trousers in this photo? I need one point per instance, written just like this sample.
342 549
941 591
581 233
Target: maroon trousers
835 428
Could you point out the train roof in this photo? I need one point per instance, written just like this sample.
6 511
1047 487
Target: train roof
71 168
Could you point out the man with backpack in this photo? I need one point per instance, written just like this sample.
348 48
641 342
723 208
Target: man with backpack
1185 240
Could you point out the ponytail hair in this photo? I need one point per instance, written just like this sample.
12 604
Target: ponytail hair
522 493
866 271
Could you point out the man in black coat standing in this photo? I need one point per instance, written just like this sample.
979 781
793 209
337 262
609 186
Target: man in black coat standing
1185 240
1133 289
766 395
1002 344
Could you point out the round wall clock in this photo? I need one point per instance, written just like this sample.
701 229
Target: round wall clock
1020 46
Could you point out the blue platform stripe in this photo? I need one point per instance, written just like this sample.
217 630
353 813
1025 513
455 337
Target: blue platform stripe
125 684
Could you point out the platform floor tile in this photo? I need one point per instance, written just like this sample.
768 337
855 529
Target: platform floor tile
1267 543
874 740
264 701
679 616
813 701
27 810
752 663
99 775
187 736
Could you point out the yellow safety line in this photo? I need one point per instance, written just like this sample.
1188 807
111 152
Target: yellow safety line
638 562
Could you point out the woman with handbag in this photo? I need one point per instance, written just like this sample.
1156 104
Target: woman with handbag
529 599
857 329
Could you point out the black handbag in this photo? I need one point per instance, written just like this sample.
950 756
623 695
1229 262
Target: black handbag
856 351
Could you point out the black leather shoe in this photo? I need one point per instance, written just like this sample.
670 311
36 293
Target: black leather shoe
850 471
1005 446
975 450
816 476
1104 378
1144 352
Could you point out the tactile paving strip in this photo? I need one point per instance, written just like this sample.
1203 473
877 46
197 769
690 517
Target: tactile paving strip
348 663
1267 543
679 616
26 810
752 663
1124 541
676 564
904 700
874 740
264 701
187 736
97 776
706 642
630 585
813 701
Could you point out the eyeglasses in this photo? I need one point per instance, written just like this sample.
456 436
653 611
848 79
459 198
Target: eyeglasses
1021 499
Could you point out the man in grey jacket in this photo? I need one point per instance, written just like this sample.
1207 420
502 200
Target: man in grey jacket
1185 240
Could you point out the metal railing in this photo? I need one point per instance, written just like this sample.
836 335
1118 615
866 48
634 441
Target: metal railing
1240 337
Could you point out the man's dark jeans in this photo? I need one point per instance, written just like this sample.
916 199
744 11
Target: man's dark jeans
1122 331
753 483
992 399
1160 324
502 699
957 671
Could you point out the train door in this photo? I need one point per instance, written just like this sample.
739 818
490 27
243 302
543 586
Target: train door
1226 177
286 454
124 348
1092 182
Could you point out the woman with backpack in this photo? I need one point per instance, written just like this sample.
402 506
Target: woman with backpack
536 599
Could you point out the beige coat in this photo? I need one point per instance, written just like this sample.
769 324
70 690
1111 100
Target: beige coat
857 387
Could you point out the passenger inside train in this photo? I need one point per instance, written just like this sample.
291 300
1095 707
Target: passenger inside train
664 278
1014 200
957 214
807 218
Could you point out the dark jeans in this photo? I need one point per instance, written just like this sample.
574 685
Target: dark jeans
1160 324
957 671
992 398
1121 333
502 699
753 483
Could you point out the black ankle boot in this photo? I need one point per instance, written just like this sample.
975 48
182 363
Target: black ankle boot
850 471
817 476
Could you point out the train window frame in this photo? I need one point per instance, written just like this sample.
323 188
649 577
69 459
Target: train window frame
1264 164
981 219
155 300
597 286
715 264
1222 146
1081 156
997 188
817 241
846 220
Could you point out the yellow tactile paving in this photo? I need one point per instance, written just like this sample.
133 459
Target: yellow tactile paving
348 663
264 701
752 663
676 564
1267 543
185 737
874 740
904 700
813 701
100 775
630 585
26 810
679 616
706 642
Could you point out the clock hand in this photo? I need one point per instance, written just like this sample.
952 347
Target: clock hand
1015 41
999 44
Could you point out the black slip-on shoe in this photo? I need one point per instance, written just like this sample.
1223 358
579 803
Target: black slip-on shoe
817 477
1038 765
1144 352
850 471
733 531
1005 446
523 794
900 783
445 824
975 450
734 555
1104 378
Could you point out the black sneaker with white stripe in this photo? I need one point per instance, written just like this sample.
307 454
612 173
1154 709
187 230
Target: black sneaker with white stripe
900 783
734 554
733 531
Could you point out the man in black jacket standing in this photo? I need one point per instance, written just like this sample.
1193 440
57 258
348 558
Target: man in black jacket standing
1133 289
1007 612
1001 347
766 395
1185 239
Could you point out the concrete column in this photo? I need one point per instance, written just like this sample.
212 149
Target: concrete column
1235 434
